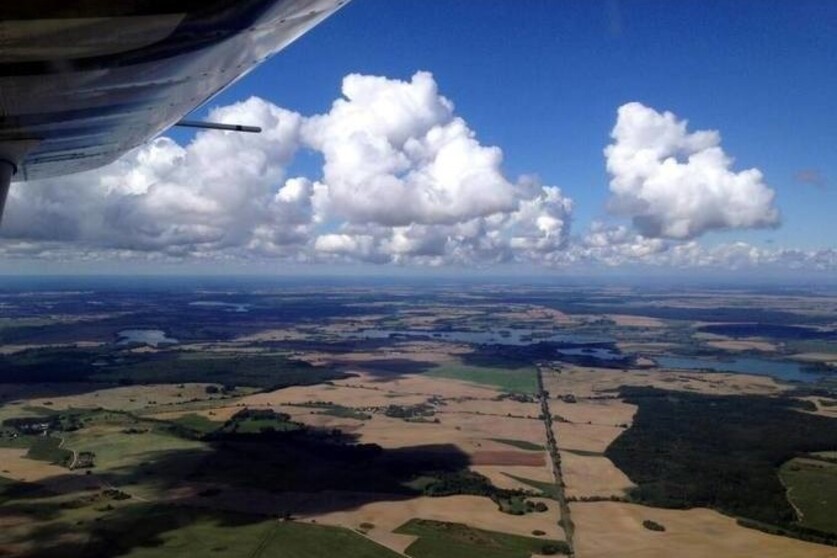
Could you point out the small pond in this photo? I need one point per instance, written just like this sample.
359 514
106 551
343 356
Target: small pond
152 337
228 306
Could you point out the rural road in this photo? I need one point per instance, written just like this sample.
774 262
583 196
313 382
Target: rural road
566 521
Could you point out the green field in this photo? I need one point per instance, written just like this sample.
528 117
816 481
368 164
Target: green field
583 453
101 527
132 458
520 444
112 365
117 449
46 448
334 409
438 539
248 421
300 540
10 438
812 488
548 489
520 380
165 532
256 426
263 371
344 412
198 423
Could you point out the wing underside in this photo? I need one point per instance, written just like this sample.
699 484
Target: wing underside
81 83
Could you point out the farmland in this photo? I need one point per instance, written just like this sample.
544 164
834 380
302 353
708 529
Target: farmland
287 425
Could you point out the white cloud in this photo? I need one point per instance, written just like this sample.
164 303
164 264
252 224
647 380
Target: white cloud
615 246
211 194
404 180
676 184
395 154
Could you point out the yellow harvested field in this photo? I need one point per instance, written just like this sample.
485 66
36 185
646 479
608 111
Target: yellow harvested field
504 407
825 410
816 357
585 437
355 397
396 433
589 382
611 412
422 385
487 426
498 474
130 398
608 529
744 345
475 511
635 321
15 465
592 476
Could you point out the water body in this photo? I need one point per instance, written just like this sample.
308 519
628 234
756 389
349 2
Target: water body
773 331
599 353
152 337
515 337
230 306
779 369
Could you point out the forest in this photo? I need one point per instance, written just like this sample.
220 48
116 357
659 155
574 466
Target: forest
689 450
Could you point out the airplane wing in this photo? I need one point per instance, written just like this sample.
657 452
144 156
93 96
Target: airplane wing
83 82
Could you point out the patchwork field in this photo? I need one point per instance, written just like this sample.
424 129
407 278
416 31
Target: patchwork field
368 423
587 382
607 529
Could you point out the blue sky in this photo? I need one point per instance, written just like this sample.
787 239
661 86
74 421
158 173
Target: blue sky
543 80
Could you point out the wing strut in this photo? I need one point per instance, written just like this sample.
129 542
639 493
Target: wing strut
216 126
11 156
7 171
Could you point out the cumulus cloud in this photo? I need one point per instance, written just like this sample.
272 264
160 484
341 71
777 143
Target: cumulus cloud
615 246
539 225
404 180
395 155
209 195
618 245
678 185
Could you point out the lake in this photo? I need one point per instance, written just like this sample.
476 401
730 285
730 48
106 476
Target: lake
779 369
516 337
229 306
152 337
600 353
